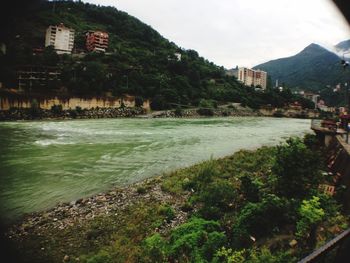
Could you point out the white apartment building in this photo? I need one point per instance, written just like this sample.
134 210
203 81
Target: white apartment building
61 38
250 77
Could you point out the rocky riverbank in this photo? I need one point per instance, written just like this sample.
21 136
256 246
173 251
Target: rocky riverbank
205 112
77 220
58 113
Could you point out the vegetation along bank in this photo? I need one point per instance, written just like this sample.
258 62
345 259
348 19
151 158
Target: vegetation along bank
267 205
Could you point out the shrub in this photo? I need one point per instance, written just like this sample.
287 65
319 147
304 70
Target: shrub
34 108
311 214
56 109
205 112
278 113
217 198
102 257
196 241
138 101
297 169
178 111
141 190
78 109
154 249
168 212
259 219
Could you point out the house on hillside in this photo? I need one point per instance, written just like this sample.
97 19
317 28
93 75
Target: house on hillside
97 41
61 38
250 77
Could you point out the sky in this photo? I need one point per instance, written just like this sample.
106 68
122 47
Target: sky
240 32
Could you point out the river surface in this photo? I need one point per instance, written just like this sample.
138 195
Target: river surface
46 162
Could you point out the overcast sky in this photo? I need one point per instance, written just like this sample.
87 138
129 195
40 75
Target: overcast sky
240 32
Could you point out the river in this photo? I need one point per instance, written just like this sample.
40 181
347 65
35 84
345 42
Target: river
46 162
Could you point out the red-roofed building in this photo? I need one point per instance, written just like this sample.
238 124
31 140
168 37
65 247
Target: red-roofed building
97 41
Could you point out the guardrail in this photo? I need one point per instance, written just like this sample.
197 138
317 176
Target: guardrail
341 255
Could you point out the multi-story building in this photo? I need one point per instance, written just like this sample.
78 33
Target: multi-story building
97 41
37 77
311 96
249 77
61 38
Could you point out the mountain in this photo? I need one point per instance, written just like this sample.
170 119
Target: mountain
343 46
139 61
311 69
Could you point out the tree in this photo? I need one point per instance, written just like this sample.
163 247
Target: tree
259 220
311 214
297 169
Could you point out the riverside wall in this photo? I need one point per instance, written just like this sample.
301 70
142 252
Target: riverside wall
338 161
7 103
289 112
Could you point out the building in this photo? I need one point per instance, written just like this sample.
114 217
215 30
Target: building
61 38
29 77
249 77
96 41
178 56
311 96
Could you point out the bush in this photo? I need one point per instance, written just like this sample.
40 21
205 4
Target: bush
34 108
195 241
138 101
168 212
297 169
154 249
278 114
78 109
178 111
205 112
206 174
102 257
217 198
311 214
56 109
260 219
141 190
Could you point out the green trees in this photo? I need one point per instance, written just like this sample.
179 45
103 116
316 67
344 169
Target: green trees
259 219
195 241
311 214
297 169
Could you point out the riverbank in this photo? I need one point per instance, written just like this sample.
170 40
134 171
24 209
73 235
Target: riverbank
96 113
57 113
132 224
78 113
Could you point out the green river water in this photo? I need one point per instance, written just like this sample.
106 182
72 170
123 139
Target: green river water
46 162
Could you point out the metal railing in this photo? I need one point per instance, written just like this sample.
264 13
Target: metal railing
338 244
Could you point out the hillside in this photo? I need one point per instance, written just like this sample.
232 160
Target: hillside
139 61
311 69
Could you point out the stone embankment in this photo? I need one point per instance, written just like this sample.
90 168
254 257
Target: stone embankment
94 113
203 112
338 153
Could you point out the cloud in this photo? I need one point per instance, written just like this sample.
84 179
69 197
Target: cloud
240 32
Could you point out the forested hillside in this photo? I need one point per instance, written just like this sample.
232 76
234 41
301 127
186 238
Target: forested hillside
139 61
311 69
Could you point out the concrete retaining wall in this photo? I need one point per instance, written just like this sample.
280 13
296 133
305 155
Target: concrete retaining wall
70 103
339 163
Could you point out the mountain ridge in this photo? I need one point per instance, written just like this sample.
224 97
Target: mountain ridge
306 69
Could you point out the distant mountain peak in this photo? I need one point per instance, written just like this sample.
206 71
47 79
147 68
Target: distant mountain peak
313 48
343 46
311 69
